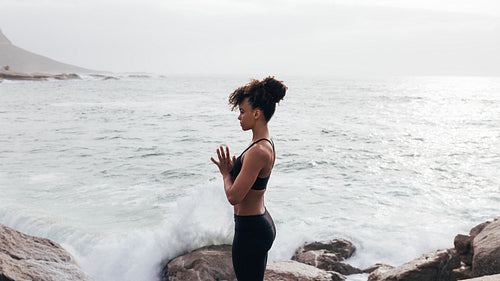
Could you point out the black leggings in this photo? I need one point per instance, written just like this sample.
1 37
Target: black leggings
253 237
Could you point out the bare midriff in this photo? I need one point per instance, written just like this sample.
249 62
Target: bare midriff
253 204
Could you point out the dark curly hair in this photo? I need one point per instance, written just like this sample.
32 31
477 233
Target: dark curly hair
261 94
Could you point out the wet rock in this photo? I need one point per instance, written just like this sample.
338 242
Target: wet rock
377 266
345 269
434 266
327 255
463 272
486 249
288 270
25 257
209 263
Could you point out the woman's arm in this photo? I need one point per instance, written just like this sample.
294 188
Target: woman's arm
236 190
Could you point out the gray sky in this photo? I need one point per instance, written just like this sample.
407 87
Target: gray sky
260 37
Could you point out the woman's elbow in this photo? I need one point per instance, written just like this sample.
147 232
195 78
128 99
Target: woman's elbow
233 200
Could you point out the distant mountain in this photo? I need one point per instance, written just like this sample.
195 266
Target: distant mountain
24 61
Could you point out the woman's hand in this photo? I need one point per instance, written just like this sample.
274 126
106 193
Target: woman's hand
225 163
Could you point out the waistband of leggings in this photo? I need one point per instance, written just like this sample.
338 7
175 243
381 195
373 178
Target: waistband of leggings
253 221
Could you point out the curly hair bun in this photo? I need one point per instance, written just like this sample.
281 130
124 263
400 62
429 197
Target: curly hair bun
276 89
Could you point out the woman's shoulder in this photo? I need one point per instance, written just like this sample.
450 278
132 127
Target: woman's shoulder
262 149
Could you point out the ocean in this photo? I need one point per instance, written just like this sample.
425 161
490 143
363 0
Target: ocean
119 173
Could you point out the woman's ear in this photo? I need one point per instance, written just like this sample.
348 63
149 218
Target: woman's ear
257 113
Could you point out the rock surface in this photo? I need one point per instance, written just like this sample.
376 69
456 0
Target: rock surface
328 255
25 257
434 266
205 264
289 270
464 248
495 277
486 249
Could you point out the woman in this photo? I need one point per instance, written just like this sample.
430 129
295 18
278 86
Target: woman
245 178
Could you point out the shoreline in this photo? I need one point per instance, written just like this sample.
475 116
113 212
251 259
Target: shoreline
13 75
474 257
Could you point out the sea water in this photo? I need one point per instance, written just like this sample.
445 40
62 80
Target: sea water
118 171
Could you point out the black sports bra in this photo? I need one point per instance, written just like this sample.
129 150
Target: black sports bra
260 183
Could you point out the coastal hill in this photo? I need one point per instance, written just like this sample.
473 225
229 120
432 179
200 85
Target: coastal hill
20 60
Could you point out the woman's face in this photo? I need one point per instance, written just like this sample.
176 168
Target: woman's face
246 117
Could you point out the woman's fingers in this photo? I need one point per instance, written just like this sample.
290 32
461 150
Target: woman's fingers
219 155
215 162
227 153
222 152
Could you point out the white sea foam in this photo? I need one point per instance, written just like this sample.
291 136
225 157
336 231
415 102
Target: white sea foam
202 218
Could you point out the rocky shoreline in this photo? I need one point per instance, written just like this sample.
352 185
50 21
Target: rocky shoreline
25 257
12 75
21 76
475 257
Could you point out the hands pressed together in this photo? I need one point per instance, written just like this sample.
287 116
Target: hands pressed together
225 162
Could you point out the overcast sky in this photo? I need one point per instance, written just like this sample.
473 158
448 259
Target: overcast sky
329 37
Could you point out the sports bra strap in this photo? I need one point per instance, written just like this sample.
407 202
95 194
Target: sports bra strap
272 144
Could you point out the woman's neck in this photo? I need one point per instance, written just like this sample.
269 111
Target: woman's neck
260 132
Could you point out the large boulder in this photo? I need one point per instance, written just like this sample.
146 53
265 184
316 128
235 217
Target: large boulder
288 270
328 255
208 263
25 257
463 244
438 265
486 249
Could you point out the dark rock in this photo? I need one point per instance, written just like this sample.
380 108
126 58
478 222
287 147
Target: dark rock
463 272
209 263
478 228
486 248
287 270
327 255
434 266
462 243
377 266
25 257
336 276
345 269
